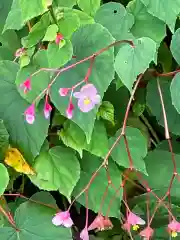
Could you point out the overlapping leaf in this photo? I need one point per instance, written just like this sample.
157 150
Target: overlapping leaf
173 117
137 146
165 10
86 41
57 169
89 165
131 61
29 138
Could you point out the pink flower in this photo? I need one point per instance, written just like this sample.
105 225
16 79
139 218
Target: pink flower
64 91
134 220
84 234
30 114
146 233
47 109
59 37
69 110
26 85
174 228
100 223
62 218
87 97
19 52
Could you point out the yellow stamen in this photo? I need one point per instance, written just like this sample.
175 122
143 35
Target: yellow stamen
87 101
135 227
174 234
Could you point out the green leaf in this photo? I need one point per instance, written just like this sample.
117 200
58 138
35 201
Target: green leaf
68 22
64 3
145 24
89 164
21 12
165 57
58 56
4 178
37 32
51 33
84 18
32 10
14 19
96 37
175 91
57 169
89 6
34 222
173 118
165 10
5 7
137 147
38 82
73 136
106 111
174 46
28 138
99 140
116 19
160 172
24 61
130 61
4 139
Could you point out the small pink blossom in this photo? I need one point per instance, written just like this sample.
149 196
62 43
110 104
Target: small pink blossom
59 37
47 109
134 220
62 218
147 233
174 228
26 85
69 110
100 223
64 91
19 52
87 97
30 114
84 235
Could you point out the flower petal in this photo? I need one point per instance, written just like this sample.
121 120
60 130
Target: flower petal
88 90
97 99
30 118
68 222
84 234
77 95
85 107
57 221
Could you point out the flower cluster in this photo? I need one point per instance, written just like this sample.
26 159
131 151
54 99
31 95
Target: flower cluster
87 100
101 223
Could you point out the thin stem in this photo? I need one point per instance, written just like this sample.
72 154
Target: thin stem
129 104
153 133
29 199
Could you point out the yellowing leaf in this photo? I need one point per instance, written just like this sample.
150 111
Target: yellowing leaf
15 160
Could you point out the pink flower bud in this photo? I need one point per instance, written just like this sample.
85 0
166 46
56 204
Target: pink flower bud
19 52
62 218
147 233
47 109
69 110
100 223
59 37
64 91
26 85
84 234
30 114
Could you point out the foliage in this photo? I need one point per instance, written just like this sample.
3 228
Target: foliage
89 119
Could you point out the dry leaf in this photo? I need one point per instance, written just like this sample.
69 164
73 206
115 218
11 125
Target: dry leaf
14 159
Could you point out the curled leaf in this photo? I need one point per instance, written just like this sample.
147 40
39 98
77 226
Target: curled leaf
15 159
